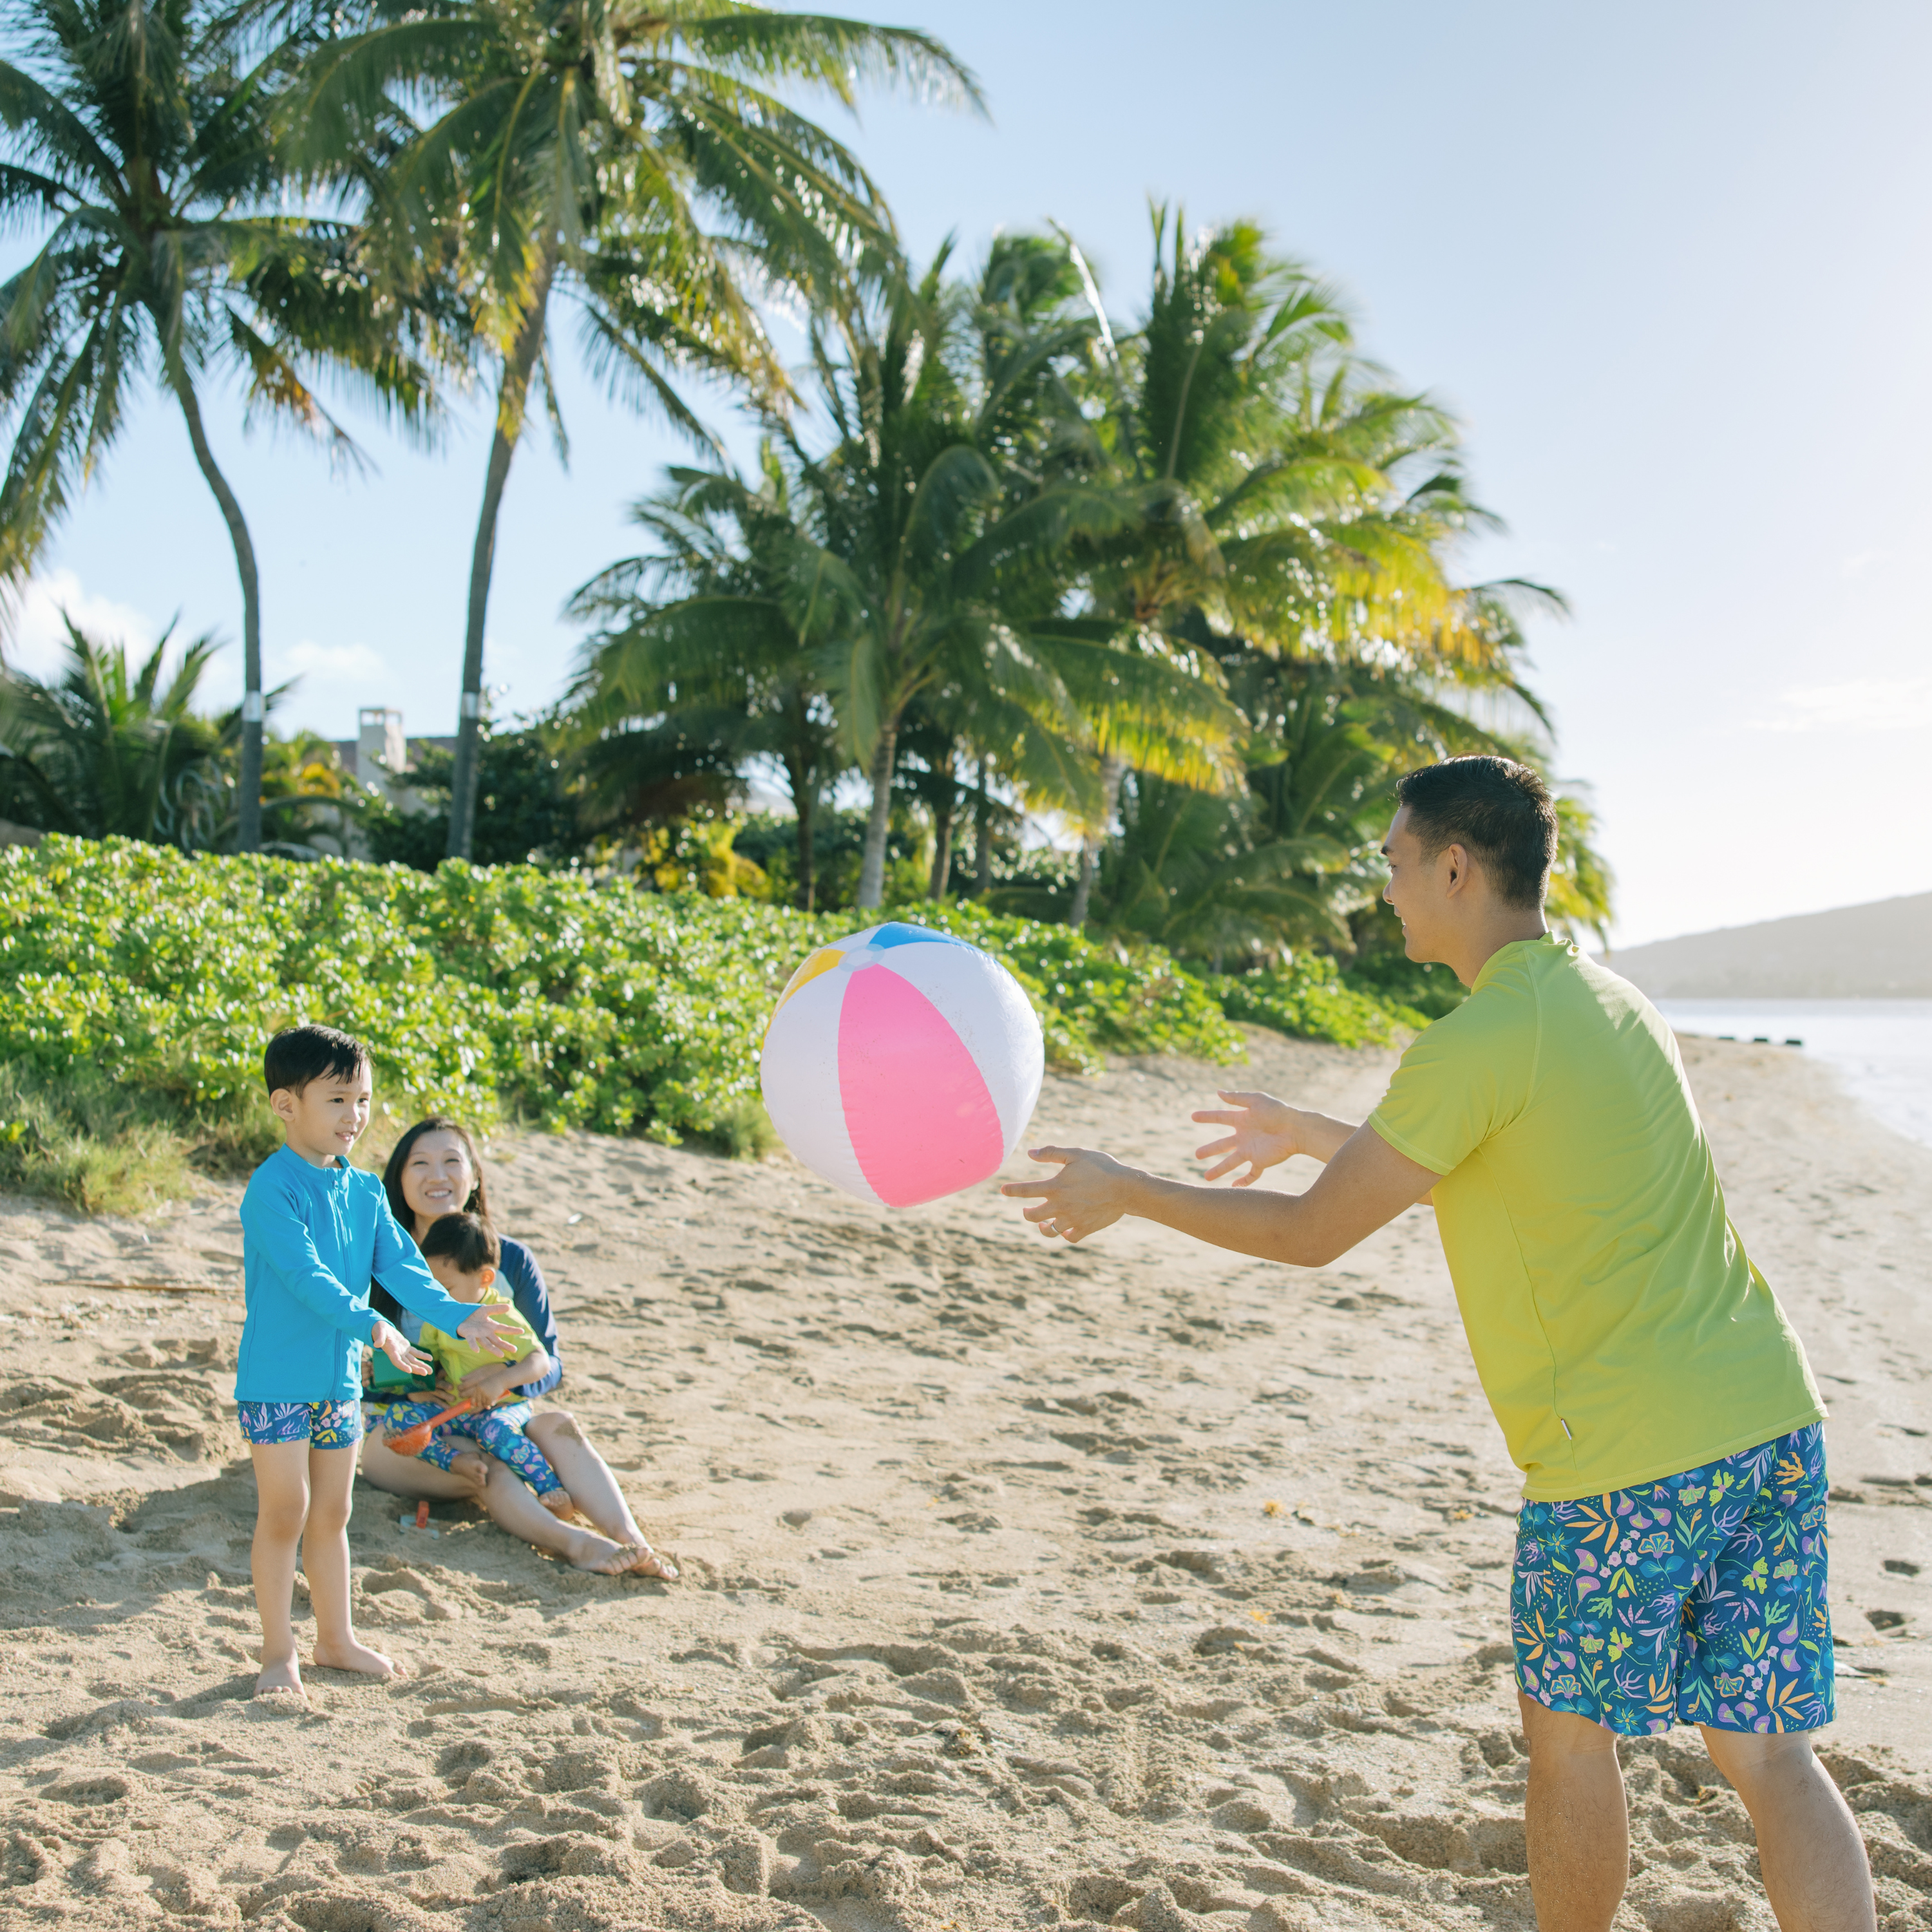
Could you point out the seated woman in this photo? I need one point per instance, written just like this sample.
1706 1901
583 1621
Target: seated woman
434 1172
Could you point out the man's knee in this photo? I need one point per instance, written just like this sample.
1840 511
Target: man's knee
1757 1761
1553 1735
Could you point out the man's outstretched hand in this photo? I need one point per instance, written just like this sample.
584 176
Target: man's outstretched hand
1091 1191
1265 1133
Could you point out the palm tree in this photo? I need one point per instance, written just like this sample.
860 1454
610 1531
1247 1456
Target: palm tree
137 128
699 667
634 154
1270 488
109 751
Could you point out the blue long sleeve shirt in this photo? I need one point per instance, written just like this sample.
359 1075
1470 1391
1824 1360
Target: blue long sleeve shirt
307 1232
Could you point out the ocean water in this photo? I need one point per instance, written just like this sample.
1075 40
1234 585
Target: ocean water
1881 1049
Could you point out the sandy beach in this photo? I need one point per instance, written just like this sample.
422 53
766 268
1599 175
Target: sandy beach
1132 1585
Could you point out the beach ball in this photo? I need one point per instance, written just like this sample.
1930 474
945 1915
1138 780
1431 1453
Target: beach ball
901 1064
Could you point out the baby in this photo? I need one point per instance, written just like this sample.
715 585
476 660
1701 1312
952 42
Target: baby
462 1253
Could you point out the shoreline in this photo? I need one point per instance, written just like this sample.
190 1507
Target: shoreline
1026 1585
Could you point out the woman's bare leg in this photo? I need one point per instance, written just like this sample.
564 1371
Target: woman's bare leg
281 1509
410 1476
514 1506
592 1487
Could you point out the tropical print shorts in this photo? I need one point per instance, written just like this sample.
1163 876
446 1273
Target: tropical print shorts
321 1425
1697 1599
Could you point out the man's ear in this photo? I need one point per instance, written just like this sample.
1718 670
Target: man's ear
1455 862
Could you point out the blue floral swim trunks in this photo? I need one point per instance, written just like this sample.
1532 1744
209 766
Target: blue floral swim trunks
321 1425
1697 1599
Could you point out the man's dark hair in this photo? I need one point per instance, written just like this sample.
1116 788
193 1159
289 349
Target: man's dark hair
467 1240
305 1053
1500 810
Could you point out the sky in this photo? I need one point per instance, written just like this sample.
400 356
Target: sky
1668 263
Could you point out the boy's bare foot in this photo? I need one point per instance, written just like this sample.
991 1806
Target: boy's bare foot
645 1561
559 1504
282 1680
472 1466
355 1656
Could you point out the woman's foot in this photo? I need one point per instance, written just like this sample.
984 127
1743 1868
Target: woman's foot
645 1561
558 1502
278 1681
352 1655
588 1550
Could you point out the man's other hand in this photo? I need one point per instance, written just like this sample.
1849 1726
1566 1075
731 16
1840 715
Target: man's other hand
1091 1191
1264 1132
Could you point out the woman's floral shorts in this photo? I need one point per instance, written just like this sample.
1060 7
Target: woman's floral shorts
1698 1600
321 1425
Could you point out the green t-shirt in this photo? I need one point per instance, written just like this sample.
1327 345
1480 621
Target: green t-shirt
1620 1332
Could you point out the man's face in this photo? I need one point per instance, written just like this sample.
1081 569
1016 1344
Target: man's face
1415 889
326 1118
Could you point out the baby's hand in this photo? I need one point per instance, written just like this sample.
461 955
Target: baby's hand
484 1333
1264 1134
396 1345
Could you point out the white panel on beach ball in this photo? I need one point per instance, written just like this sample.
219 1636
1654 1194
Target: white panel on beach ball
901 1064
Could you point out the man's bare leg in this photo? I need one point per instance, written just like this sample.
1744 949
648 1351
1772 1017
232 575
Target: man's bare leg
281 1508
1575 1822
1816 1873
331 1477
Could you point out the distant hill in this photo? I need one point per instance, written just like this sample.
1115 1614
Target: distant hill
1882 951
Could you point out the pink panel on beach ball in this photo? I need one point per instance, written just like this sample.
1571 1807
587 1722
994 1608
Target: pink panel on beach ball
921 1122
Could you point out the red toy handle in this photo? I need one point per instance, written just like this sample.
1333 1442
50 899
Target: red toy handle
414 1442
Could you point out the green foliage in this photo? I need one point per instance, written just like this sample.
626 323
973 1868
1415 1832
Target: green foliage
526 815
1310 999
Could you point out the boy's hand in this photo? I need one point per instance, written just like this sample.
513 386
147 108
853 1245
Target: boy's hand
1266 1132
396 1345
480 1331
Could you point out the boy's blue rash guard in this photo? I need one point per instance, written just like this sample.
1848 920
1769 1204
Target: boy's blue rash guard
307 1232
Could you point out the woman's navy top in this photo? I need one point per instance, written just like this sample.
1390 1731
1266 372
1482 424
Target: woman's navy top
523 1280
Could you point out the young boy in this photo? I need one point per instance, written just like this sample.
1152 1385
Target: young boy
462 1252
314 1232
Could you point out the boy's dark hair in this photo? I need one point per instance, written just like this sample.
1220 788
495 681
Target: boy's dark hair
467 1240
1500 810
298 1055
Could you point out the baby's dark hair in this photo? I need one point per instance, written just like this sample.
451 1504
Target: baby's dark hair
299 1054
467 1240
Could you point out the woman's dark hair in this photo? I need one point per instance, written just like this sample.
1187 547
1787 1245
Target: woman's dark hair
1500 810
299 1054
380 1300
467 1240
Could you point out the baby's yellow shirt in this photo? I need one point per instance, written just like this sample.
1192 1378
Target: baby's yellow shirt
456 1357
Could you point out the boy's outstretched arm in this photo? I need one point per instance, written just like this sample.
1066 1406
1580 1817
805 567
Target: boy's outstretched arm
1365 1185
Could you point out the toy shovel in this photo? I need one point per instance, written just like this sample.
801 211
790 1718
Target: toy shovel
414 1442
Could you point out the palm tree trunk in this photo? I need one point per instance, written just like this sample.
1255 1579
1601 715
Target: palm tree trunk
982 842
872 869
803 801
942 832
248 802
1112 771
512 394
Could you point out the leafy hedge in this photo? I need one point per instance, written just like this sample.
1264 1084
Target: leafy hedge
1310 999
510 991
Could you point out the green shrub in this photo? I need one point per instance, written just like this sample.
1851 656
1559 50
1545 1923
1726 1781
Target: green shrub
139 984
1310 999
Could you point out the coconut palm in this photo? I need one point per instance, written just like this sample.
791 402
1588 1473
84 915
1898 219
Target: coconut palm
141 132
1271 487
634 155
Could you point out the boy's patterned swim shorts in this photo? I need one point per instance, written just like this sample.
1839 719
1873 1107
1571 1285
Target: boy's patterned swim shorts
1697 1599
321 1425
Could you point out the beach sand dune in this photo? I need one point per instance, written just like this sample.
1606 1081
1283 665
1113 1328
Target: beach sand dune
1131 1584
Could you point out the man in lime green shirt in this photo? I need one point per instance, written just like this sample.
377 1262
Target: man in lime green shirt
1671 1553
